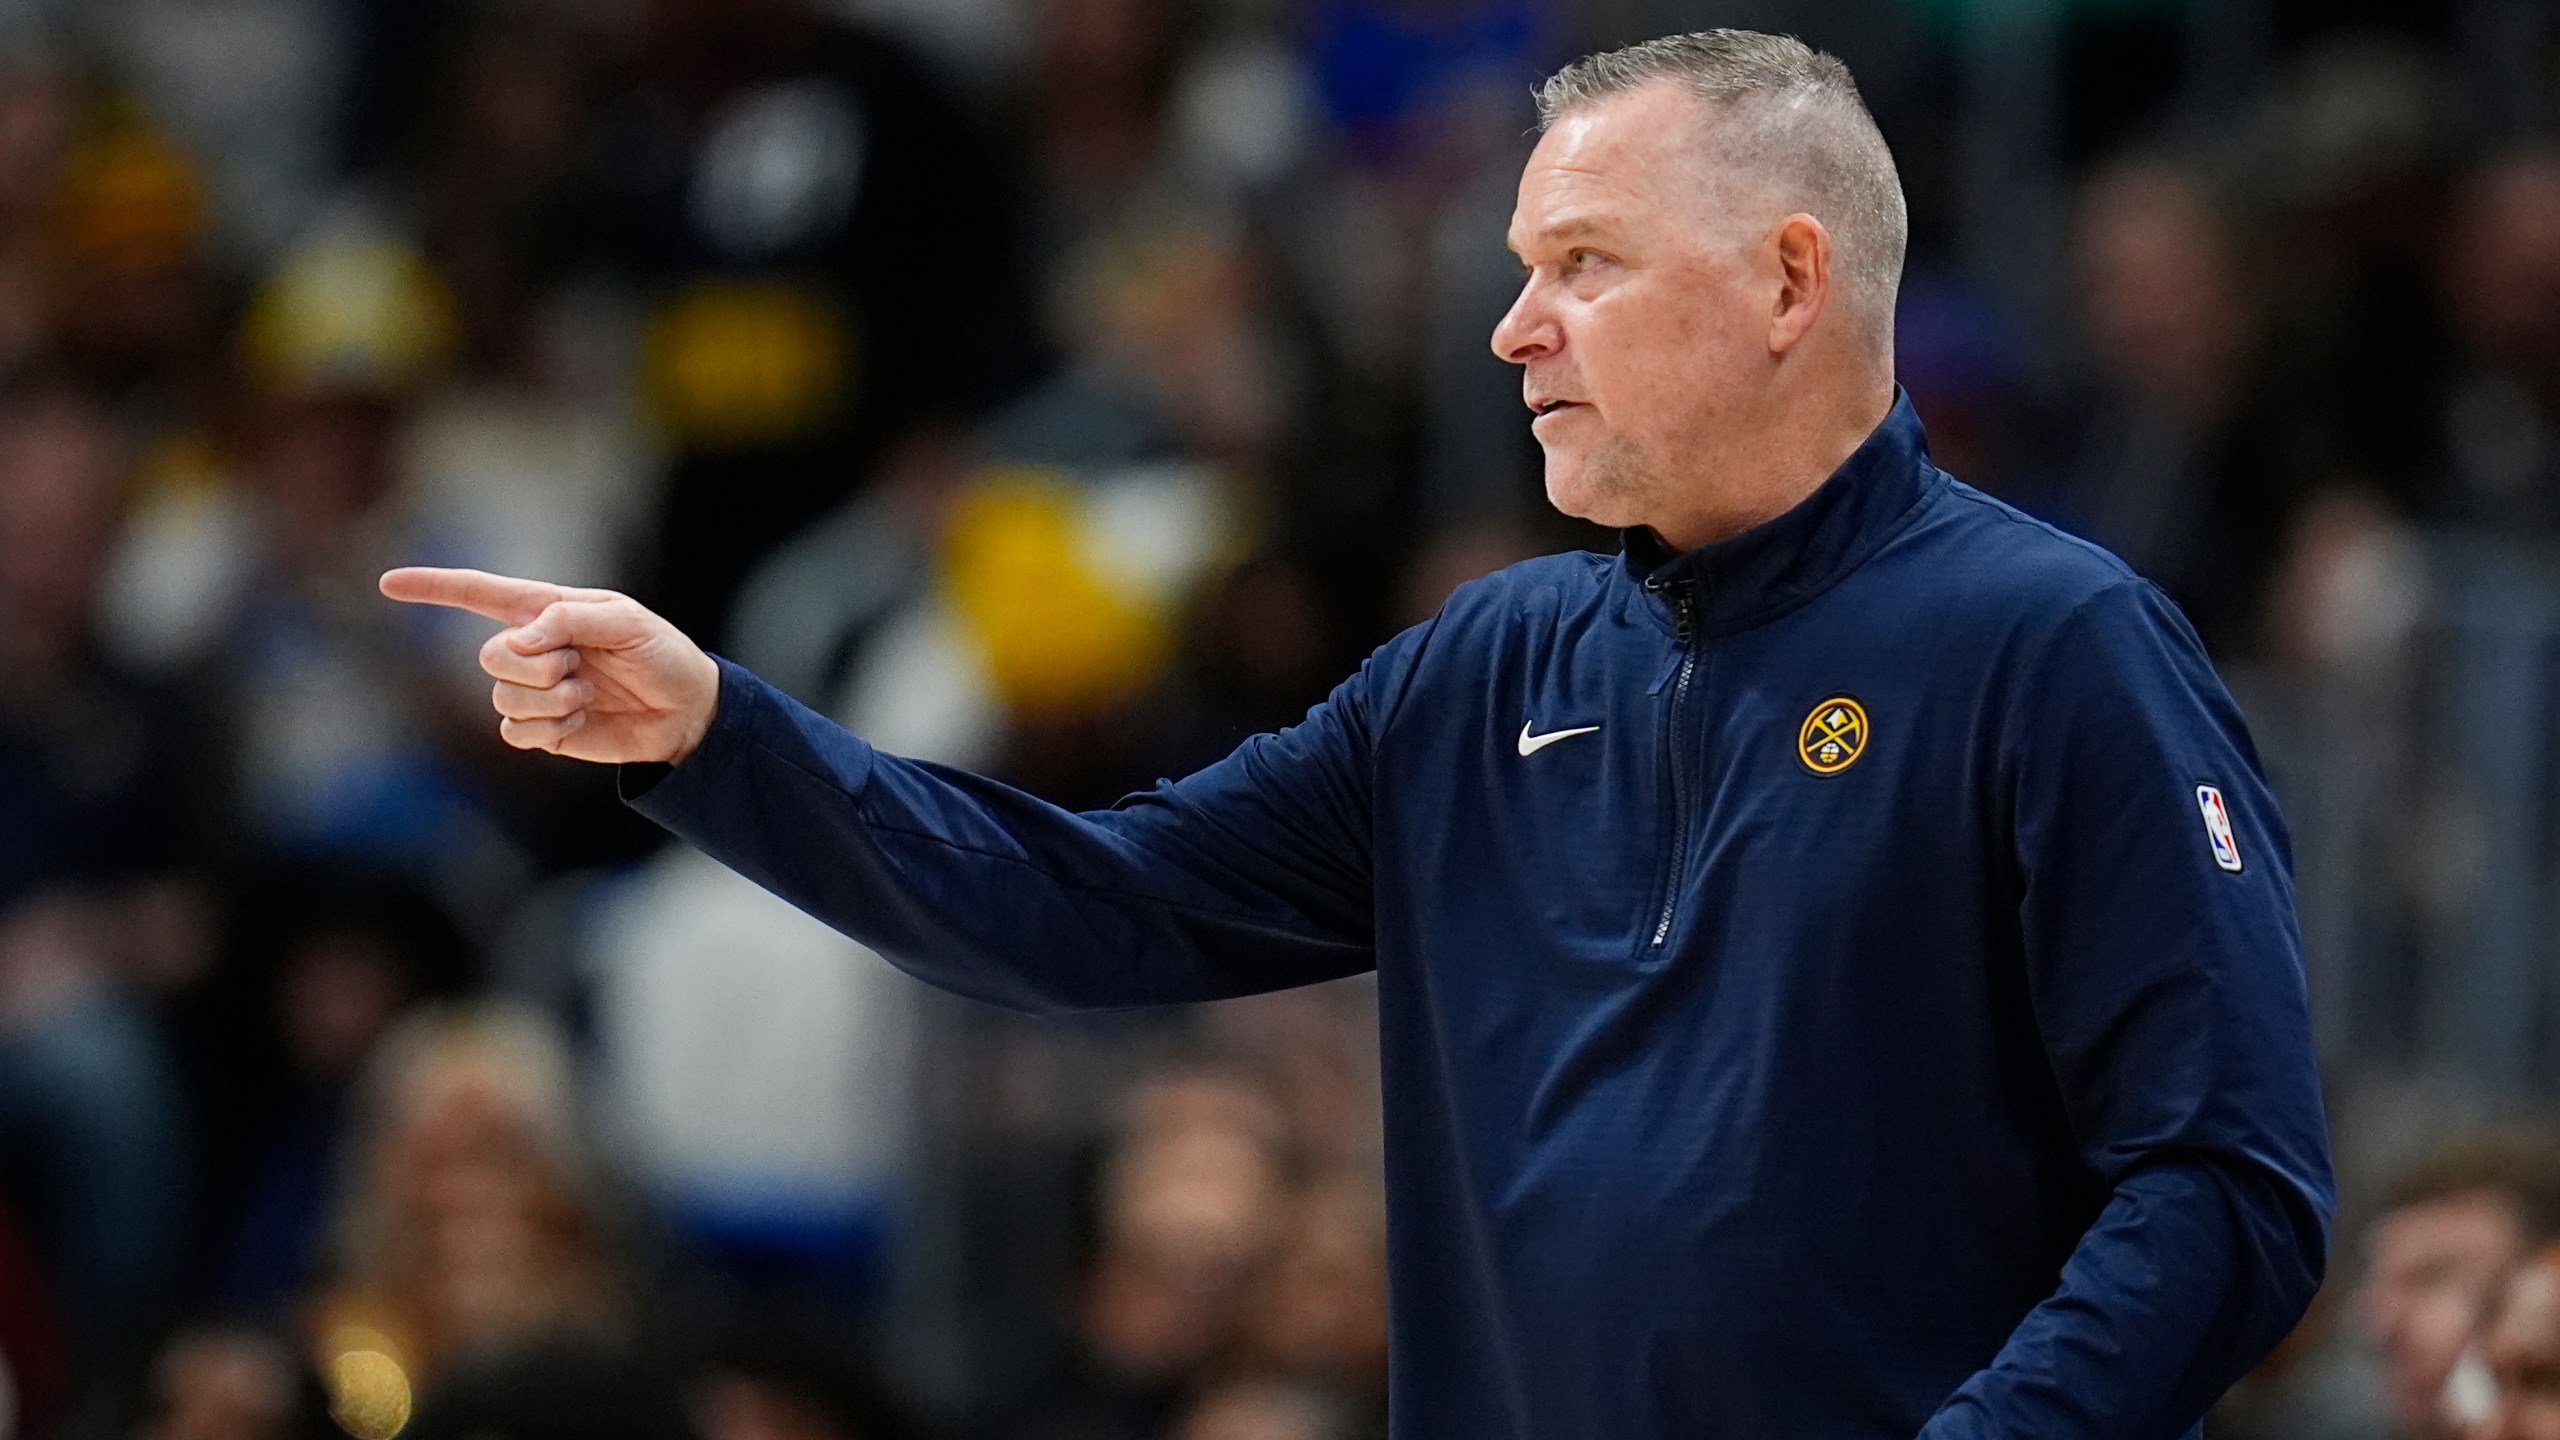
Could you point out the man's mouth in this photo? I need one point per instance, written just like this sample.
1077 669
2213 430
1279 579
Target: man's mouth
1543 408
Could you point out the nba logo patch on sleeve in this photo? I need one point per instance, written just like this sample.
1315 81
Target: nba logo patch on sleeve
2217 828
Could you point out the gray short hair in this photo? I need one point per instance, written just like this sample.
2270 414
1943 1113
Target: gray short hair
1790 115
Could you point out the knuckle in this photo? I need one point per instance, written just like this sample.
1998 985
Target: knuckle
527 702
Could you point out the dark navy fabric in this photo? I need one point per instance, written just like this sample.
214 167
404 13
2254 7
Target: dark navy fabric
1960 1091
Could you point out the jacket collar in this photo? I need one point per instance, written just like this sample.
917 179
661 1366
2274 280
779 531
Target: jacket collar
1750 578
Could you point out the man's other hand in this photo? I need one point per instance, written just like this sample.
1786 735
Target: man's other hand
589 674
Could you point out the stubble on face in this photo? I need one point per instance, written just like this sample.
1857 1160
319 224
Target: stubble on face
1606 482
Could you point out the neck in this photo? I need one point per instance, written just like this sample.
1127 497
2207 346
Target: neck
1786 460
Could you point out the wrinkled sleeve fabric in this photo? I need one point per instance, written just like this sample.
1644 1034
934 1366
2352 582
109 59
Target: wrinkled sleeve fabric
2169 995
1251 875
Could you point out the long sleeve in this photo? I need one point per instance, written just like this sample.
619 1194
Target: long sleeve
2165 976
1251 875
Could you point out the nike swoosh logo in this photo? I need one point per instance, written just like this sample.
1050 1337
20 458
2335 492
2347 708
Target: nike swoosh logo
1532 744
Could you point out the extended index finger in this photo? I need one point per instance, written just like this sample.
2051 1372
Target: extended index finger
500 597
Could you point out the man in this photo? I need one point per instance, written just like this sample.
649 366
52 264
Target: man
1836 961
2521 1346
2449 1228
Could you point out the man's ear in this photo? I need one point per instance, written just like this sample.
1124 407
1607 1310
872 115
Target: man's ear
1803 253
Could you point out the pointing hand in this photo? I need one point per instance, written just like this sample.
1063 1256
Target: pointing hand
590 674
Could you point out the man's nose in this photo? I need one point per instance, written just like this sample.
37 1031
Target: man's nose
1527 331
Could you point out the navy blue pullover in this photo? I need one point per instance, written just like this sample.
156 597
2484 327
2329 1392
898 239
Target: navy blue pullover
1884 1017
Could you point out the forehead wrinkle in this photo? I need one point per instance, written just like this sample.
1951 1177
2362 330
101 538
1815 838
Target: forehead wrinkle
1715 162
1566 203
1710 177
1571 227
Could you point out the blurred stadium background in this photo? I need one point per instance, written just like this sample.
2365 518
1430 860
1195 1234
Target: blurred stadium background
1060 388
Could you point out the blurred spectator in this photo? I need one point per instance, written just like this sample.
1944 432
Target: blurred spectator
341 713
338 957
553 1389
2344 168
92 826
2183 467
2502 288
1172 343
2520 1347
1192 1207
91 1137
1135 460
34 1379
1101 74
472 1227
135 308
91 760
39 110
845 618
1257 651
221 1383
1316 1047
786 1383
2349 589
1397 78
1192 1204
255 85
787 1163
769 168
1255 1408
1322 1314
1961 364
2446 1232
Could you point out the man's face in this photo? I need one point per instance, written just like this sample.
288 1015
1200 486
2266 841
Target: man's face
1643 321
2522 1346
2432 1267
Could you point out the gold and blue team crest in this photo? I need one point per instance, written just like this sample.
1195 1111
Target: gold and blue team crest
1833 736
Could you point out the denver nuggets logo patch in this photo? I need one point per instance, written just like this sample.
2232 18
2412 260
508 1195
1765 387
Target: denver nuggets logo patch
1833 736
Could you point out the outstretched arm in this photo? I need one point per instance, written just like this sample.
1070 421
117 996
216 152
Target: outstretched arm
1252 875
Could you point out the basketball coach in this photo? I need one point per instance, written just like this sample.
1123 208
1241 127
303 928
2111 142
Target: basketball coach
1836 957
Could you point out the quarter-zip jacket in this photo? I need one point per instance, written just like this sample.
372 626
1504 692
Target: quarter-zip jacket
1885 1017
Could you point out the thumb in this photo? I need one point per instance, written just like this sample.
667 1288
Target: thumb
586 624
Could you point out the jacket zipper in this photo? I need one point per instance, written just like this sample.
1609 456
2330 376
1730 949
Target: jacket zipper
1685 628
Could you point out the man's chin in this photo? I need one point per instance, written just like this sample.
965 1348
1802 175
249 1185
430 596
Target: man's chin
1576 491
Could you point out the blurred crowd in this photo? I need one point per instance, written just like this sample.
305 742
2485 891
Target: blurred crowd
1061 389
